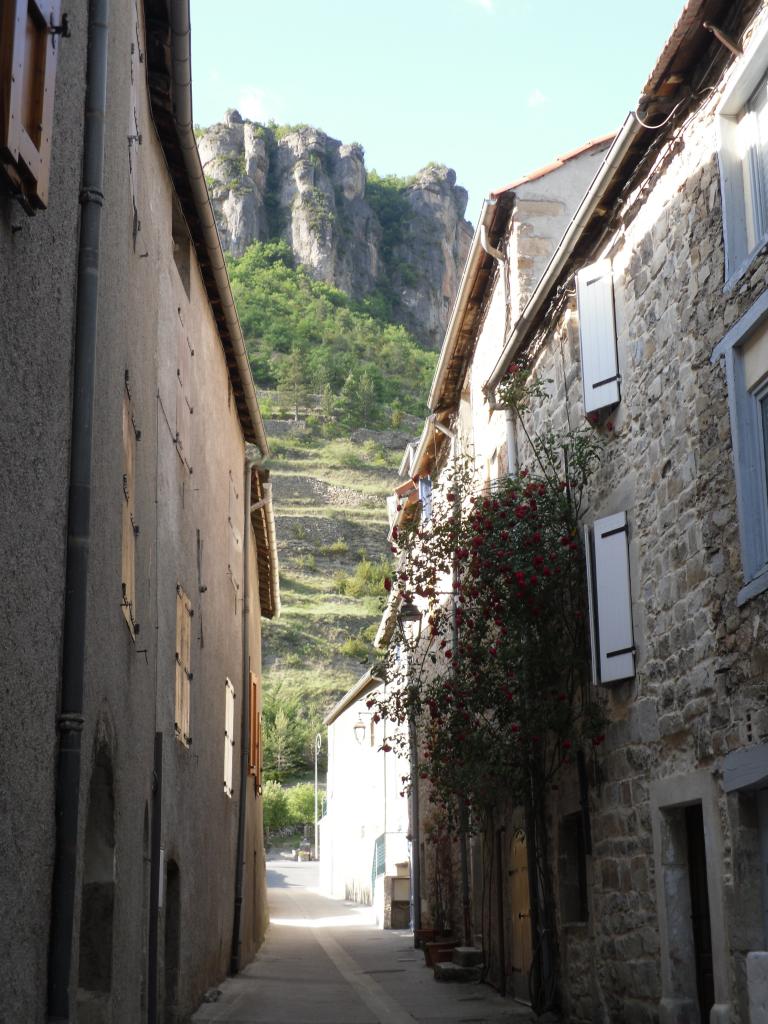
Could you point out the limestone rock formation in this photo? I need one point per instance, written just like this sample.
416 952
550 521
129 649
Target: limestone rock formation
298 184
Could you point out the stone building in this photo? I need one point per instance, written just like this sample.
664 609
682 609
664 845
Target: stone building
650 319
137 534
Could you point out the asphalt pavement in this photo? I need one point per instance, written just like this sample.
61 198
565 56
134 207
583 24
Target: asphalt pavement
325 962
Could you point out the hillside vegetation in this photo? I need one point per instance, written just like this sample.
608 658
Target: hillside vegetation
324 351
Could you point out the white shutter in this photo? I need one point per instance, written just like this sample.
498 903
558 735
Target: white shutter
613 645
597 329
425 496
229 735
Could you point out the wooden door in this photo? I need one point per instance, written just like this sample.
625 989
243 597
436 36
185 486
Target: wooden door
520 899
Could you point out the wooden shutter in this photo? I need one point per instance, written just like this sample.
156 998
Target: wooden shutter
184 398
613 645
229 735
597 330
253 753
183 665
128 531
28 56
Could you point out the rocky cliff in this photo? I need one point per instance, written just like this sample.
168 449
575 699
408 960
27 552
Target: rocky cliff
402 242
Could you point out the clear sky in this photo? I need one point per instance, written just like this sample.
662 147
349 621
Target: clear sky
493 88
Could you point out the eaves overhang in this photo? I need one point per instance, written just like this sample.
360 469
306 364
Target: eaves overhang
461 333
369 681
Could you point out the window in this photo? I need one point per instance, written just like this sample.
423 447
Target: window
180 243
743 154
28 54
425 497
597 332
229 735
745 351
234 567
610 599
183 666
254 755
129 529
572 859
184 354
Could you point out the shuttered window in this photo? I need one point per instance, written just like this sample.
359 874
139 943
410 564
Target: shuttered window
184 354
183 666
597 330
28 56
229 735
235 560
610 599
254 754
129 528
425 497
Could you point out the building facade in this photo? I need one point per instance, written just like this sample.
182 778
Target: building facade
648 322
131 647
364 832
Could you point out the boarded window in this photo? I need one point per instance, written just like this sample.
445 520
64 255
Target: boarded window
254 754
129 527
597 330
229 735
183 665
28 56
610 600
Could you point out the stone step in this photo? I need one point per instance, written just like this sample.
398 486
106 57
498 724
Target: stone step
452 972
468 956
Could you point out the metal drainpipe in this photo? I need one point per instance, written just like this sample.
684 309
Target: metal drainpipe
415 830
245 725
71 718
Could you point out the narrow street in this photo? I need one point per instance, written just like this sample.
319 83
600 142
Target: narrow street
325 962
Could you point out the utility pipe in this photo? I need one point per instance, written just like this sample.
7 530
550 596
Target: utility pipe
154 880
245 723
182 108
71 711
621 145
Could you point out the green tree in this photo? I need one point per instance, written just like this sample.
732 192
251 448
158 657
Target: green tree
282 744
301 803
276 810
292 377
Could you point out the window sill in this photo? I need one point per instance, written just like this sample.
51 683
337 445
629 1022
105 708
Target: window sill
755 586
734 279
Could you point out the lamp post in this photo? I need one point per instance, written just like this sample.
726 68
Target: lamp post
318 748
410 614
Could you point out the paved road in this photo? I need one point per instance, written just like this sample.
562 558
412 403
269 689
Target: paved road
324 962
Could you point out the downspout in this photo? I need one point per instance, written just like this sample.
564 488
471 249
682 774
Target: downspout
71 713
245 724
509 417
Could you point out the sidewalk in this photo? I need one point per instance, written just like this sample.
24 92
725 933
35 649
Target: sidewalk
324 962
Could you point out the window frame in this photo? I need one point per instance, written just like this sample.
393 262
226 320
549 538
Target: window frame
27 162
749 73
749 449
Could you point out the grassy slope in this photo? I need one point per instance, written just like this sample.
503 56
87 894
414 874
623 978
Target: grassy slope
330 513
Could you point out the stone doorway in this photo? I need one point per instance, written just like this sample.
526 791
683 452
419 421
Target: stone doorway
94 993
688 857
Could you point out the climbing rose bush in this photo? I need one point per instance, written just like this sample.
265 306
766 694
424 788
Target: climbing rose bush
499 677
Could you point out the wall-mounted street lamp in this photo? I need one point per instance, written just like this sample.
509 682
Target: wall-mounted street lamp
360 730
